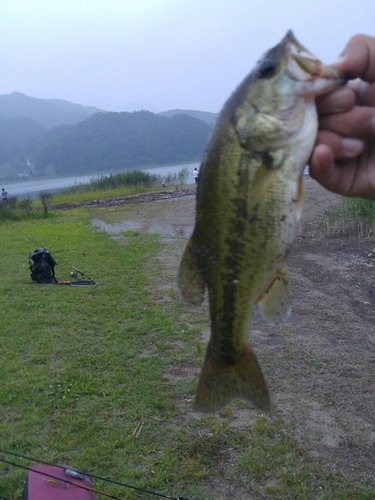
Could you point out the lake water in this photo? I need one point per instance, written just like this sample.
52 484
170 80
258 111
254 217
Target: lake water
32 189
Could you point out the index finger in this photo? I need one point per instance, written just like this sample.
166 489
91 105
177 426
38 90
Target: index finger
358 58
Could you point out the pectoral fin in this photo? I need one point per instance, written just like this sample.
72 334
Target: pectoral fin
276 304
190 278
299 197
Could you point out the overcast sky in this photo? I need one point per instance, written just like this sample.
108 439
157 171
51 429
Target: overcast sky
120 55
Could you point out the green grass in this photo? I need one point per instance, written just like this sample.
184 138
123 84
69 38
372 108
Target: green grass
351 216
359 207
81 368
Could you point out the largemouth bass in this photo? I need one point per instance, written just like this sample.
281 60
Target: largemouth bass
248 206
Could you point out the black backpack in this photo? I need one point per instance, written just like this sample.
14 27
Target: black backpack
42 266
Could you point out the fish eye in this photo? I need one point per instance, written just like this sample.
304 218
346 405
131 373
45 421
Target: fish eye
267 68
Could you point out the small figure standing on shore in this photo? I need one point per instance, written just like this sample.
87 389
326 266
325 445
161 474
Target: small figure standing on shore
4 194
195 175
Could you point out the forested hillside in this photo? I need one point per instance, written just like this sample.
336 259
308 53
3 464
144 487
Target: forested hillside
114 141
205 116
19 137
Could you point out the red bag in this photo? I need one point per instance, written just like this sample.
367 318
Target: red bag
57 483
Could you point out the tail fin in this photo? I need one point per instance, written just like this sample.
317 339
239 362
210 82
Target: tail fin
190 279
218 385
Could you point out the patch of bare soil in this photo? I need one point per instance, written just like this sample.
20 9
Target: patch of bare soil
320 364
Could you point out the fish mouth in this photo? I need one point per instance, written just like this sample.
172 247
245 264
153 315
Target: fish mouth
312 66
317 78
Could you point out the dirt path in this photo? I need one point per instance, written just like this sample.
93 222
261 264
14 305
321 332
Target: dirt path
319 365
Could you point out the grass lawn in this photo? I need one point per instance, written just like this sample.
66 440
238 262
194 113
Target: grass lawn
82 369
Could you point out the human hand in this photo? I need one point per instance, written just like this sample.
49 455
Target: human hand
343 159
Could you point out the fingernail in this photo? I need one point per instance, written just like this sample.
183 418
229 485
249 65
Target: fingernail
351 147
338 61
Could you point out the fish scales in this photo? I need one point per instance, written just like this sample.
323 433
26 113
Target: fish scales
248 206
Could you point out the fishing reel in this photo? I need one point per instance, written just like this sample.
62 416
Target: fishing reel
73 275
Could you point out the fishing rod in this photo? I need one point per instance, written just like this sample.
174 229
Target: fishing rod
124 485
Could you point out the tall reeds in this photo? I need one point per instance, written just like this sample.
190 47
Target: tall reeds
113 181
351 217
130 178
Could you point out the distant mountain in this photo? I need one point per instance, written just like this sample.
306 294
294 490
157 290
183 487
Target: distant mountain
53 136
205 116
113 141
46 112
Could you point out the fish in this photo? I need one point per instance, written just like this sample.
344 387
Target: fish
248 205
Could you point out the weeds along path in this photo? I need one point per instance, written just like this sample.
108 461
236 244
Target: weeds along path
320 364
117 201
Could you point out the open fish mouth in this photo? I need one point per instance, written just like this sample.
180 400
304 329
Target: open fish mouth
303 66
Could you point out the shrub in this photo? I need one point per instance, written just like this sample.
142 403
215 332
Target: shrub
26 206
46 199
7 207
